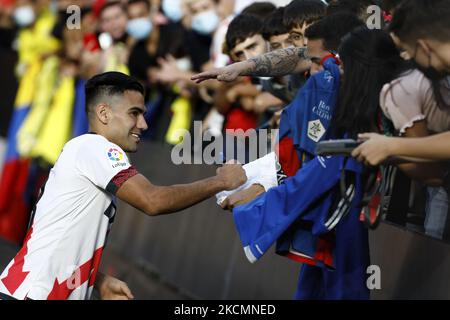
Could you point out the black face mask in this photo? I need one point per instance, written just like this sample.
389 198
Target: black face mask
431 73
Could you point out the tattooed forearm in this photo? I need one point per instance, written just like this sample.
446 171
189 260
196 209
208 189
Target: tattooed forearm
276 63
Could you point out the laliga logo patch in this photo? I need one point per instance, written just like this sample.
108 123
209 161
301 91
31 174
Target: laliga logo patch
115 155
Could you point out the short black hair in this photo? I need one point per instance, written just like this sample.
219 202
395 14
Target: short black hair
260 9
242 27
390 5
111 4
299 12
370 60
147 4
109 84
414 19
357 7
274 26
333 28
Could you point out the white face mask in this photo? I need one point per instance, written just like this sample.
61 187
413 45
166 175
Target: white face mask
54 6
139 28
205 22
24 16
172 9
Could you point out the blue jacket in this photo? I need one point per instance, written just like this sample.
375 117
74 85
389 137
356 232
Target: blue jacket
307 119
307 206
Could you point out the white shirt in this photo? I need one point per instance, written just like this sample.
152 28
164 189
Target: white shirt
62 251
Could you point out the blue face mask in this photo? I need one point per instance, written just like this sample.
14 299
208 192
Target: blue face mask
139 28
54 6
172 10
206 22
24 16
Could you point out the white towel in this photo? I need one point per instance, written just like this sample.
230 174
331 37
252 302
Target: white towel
261 171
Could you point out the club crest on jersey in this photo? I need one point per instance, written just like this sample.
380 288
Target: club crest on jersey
316 130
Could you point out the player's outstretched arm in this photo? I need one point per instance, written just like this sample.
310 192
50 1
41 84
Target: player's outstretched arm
276 63
139 192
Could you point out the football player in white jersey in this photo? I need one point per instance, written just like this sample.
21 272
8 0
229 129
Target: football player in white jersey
62 250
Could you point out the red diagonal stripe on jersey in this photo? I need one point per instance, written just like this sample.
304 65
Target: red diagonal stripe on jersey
16 275
87 271
95 265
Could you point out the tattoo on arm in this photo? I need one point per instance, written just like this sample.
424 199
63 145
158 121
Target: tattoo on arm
276 63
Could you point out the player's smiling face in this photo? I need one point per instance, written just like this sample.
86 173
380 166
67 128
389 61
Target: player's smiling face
127 121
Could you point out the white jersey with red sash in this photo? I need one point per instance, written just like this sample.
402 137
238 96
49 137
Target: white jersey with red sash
63 248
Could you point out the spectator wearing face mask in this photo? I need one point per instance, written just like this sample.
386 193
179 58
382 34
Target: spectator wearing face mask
421 29
204 20
173 10
419 102
201 21
369 60
154 40
139 25
35 22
